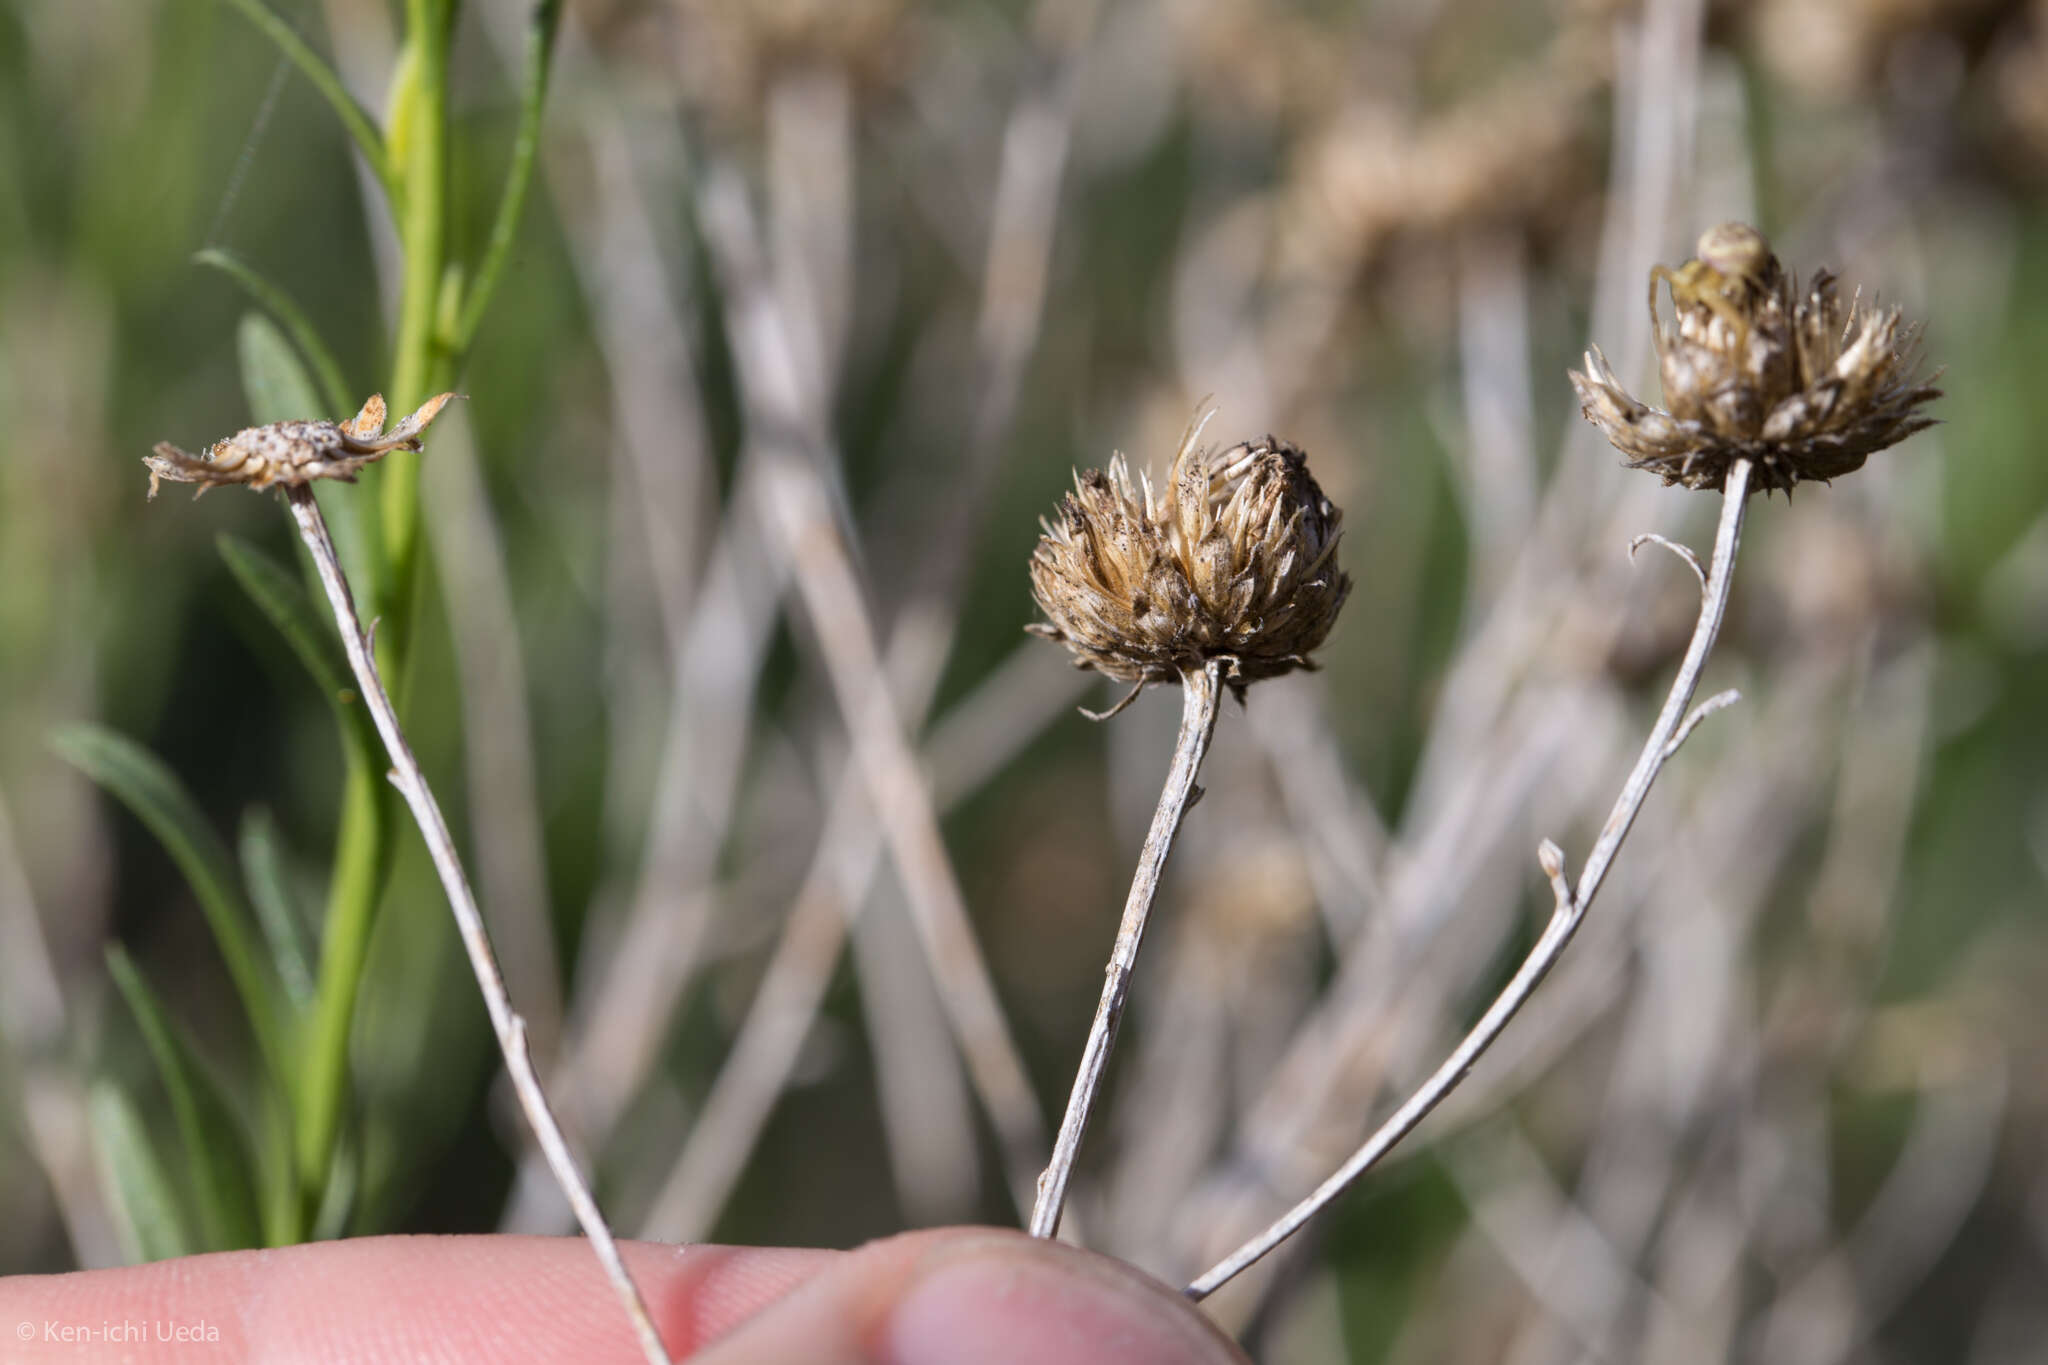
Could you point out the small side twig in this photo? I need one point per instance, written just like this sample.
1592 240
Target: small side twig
1718 702
1200 691
1692 561
1568 913
509 1027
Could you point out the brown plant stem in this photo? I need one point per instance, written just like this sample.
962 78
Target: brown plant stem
1200 691
1568 913
509 1027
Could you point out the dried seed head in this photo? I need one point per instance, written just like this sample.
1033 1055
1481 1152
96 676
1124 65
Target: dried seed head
294 452
1805 386
1234 561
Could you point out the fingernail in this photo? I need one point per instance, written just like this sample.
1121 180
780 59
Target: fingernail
1008 1310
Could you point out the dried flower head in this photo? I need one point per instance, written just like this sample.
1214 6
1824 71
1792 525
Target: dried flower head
294 452
1803 385
1234 561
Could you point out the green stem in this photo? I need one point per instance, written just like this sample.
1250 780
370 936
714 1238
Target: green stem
365 839
362 859
429 350
422 361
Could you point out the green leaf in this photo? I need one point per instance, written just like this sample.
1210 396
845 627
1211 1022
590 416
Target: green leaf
541 29
338 1198
277 911
151 1227
352 115
338 398
216 1149
283 1217
286 605
311 636
273 378
160 801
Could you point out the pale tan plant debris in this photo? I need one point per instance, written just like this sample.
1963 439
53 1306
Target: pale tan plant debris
1375 170
727 54
294 453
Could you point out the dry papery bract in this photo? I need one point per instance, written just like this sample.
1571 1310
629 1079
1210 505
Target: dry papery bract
1234 560
1801 383
297 452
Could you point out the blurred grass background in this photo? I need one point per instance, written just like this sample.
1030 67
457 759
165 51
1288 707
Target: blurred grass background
1381 230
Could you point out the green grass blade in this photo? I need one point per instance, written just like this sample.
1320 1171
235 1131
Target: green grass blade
216 1150
338 399
353 116
160 801
541 29
277 912
146 1206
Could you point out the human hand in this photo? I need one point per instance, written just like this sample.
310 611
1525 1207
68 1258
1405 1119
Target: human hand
959 1296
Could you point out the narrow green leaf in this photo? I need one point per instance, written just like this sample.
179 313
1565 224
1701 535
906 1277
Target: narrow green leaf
352 115
338 399
283 1218
160 801
216 1150
286 605
311 636
338 1198
151 1227
541 29
277 912
273 377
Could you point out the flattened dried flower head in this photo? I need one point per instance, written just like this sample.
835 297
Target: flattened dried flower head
1236 560
1802 384
294 452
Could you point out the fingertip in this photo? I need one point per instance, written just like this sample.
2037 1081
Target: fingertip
374 1300
697 1294
989 1297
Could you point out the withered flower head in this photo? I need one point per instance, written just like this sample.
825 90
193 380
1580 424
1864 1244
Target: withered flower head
294 452
1235 560
1801 384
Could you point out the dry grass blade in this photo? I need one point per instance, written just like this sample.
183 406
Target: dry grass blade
792 501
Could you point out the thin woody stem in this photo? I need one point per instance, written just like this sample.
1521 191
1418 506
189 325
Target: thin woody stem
509 1027
1200 690
1566 916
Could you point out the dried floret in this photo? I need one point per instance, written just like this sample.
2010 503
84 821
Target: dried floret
294 452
